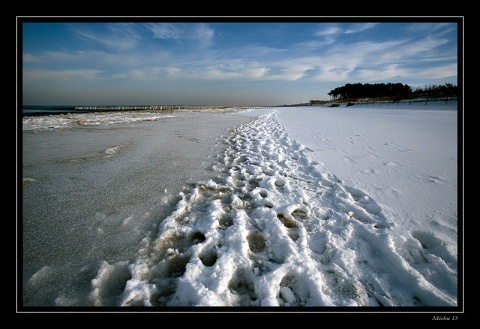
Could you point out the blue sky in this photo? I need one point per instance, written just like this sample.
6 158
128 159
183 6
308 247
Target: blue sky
227 62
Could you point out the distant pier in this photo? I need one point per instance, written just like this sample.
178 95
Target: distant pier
151 107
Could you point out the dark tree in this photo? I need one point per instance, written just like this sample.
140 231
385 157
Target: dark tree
392 90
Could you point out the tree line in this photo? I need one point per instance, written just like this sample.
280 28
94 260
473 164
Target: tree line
392 90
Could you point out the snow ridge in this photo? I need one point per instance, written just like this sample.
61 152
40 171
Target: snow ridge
275 231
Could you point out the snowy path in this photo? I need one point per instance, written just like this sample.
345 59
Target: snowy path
273 230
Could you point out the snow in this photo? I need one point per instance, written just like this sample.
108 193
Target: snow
94 118
308 207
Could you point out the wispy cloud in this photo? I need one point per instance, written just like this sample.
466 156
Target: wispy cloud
155 54
339 62
397 71
203 33
429 27
214 73
182 31
172 72
118 36
438 72
150 73
360 27
337 29
97 59
329 31
328 35
165 30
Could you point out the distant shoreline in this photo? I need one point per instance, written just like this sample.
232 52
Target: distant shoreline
29 111
375 100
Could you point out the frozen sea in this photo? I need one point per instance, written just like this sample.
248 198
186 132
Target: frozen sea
300 207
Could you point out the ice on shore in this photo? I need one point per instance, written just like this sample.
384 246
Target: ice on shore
76 119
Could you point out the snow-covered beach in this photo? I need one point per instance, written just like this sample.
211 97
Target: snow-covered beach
305 207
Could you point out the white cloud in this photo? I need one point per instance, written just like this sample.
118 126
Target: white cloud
339 62
172 71
429 27
438 72
355 28
381 73
427 45
317 44
257 73
331 30
182 31
217 74
380 54
165 30
96 59
396 71
203 33
335 29
333 72
119 36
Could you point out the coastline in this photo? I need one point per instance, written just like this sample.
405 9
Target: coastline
91 193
